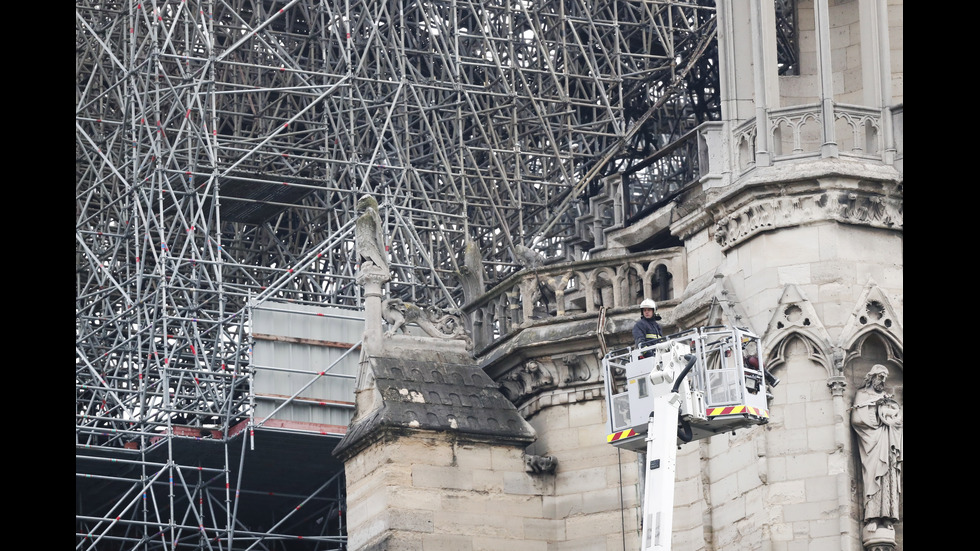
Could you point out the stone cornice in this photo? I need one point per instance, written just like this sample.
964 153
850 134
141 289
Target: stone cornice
770 213
557 397
557 364
797 193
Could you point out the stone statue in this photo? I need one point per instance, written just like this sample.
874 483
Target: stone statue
877 419
471 272
369 235
528 257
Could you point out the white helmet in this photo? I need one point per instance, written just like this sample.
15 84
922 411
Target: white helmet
648 303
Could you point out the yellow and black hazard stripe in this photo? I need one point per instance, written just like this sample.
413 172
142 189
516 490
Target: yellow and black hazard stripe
621 435
738 410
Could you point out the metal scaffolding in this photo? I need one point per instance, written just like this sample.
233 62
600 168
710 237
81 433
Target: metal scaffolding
221 146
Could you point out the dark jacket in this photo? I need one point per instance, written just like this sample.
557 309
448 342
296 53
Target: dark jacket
646 330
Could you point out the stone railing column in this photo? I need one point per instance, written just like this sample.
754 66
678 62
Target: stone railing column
372 278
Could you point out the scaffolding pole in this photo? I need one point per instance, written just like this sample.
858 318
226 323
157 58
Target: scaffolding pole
221 147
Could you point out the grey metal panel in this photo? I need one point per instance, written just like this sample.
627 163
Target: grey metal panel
299 350
308 322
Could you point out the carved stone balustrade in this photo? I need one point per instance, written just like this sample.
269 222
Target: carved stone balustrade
798 132
573 291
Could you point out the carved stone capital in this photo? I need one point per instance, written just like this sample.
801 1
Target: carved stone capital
837 385
371 275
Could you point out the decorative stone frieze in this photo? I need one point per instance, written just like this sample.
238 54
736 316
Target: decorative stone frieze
528 378
576 369
560 376
769 213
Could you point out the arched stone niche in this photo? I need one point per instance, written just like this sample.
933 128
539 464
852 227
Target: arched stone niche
868 350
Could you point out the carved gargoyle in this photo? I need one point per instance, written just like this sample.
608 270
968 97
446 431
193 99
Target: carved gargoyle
525 380
528 257
540 464
434 321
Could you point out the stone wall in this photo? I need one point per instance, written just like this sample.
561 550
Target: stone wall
433 492
593 496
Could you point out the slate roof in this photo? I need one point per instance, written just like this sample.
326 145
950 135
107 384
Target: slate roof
426 395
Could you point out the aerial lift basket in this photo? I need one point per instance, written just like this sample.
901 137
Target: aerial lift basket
722 391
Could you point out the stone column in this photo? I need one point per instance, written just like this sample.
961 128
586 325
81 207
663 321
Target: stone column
372 278
821 11
366 396
840 461
762 29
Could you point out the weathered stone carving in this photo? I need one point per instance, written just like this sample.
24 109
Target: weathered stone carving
529 378
565 378
513 313
540 464
471 272
777 212
434 321
576 369
369 236
528 257
877 420
511 387
530 294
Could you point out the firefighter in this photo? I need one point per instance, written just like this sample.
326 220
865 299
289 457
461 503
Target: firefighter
647 330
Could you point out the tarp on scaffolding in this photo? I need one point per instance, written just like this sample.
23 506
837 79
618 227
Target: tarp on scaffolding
305 360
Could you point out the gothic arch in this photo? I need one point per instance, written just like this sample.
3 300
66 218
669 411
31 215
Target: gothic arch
873 313
891 356
867 349
795 317
779 352
661 273
580 283
603 284
630 278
